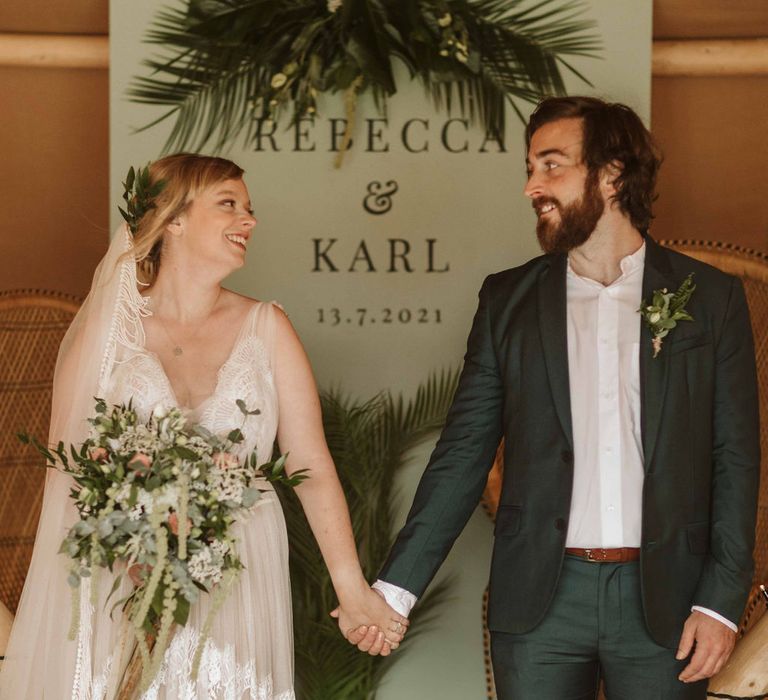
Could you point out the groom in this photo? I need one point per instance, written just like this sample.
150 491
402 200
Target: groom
625 528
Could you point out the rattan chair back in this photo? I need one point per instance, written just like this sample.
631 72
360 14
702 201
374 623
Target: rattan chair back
32 324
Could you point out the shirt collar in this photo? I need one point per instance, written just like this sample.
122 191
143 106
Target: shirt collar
628 265
633 262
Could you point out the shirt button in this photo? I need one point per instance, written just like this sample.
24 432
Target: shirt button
610 509
566 456
560 524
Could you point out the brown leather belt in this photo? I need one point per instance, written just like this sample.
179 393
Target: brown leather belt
616 556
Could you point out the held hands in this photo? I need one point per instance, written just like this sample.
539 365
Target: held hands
370 624
713 641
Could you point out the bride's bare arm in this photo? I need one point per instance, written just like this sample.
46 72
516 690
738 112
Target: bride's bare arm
300 433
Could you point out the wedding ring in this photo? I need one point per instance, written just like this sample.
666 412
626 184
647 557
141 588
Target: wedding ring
398 627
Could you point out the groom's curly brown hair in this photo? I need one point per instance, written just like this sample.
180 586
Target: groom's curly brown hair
613 134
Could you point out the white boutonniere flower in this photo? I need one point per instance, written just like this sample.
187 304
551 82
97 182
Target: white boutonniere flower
665 310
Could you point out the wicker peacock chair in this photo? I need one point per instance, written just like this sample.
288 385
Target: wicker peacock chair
32 324
752 267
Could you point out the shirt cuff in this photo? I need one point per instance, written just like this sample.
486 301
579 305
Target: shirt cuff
400 600
717 617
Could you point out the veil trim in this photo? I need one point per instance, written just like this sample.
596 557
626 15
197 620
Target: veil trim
130 307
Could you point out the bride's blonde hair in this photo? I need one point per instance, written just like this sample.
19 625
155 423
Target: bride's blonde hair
185 176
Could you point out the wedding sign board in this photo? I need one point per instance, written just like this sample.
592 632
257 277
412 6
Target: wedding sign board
378 263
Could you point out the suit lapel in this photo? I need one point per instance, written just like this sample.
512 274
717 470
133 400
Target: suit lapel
554 338
654 372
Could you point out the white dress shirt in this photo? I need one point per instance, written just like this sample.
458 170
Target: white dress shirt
604 369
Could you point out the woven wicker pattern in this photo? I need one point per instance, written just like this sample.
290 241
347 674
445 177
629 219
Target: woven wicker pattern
32 324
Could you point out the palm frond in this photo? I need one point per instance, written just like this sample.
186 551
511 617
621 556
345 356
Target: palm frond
228 63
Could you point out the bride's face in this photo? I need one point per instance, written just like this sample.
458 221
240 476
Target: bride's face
217 225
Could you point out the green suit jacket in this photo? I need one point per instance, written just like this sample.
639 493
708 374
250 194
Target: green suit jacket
700 432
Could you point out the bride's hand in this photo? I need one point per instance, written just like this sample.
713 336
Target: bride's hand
369 623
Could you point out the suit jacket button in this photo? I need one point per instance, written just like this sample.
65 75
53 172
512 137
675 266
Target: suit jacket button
566 456
560 524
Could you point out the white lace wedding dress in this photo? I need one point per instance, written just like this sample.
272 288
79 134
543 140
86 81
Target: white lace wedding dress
249 653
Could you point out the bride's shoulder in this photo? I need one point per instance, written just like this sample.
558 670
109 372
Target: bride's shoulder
243 306
246 303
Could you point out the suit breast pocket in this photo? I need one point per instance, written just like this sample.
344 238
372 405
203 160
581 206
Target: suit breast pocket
507 521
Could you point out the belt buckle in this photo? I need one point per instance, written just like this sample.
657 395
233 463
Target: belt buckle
596 555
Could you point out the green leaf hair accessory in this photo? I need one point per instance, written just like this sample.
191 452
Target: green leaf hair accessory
139 196
666 309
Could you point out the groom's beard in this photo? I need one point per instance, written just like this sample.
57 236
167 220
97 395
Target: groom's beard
577 220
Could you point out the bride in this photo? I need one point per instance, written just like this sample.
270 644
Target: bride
158 328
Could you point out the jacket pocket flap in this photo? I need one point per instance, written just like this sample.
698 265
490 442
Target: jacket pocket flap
689 343
507 521
698 538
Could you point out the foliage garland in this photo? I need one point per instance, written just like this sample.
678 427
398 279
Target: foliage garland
231 64
370 442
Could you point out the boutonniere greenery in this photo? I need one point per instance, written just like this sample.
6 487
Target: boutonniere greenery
665 310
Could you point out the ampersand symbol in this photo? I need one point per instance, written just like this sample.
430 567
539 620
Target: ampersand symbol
379 198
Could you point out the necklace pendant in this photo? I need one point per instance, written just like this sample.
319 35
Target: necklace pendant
177 351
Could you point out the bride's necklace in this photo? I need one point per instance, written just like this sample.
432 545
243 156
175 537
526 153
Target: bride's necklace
178 351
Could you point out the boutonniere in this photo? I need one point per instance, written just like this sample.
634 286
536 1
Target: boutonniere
666 309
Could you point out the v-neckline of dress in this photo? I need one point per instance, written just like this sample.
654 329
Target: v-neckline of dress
172 392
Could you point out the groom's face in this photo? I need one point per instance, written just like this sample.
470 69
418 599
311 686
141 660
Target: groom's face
565 195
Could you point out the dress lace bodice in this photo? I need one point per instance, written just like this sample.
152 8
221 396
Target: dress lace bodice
246 374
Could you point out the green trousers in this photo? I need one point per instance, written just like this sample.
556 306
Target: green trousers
594 628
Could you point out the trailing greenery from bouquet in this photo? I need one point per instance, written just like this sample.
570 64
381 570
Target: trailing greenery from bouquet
370 443
231 64
159 497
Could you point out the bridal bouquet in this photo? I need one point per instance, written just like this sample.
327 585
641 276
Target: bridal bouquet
159 497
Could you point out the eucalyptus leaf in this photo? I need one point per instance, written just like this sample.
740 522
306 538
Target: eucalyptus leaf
250 496
105 528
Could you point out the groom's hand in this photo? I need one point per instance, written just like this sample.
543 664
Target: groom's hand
713 642
384 628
